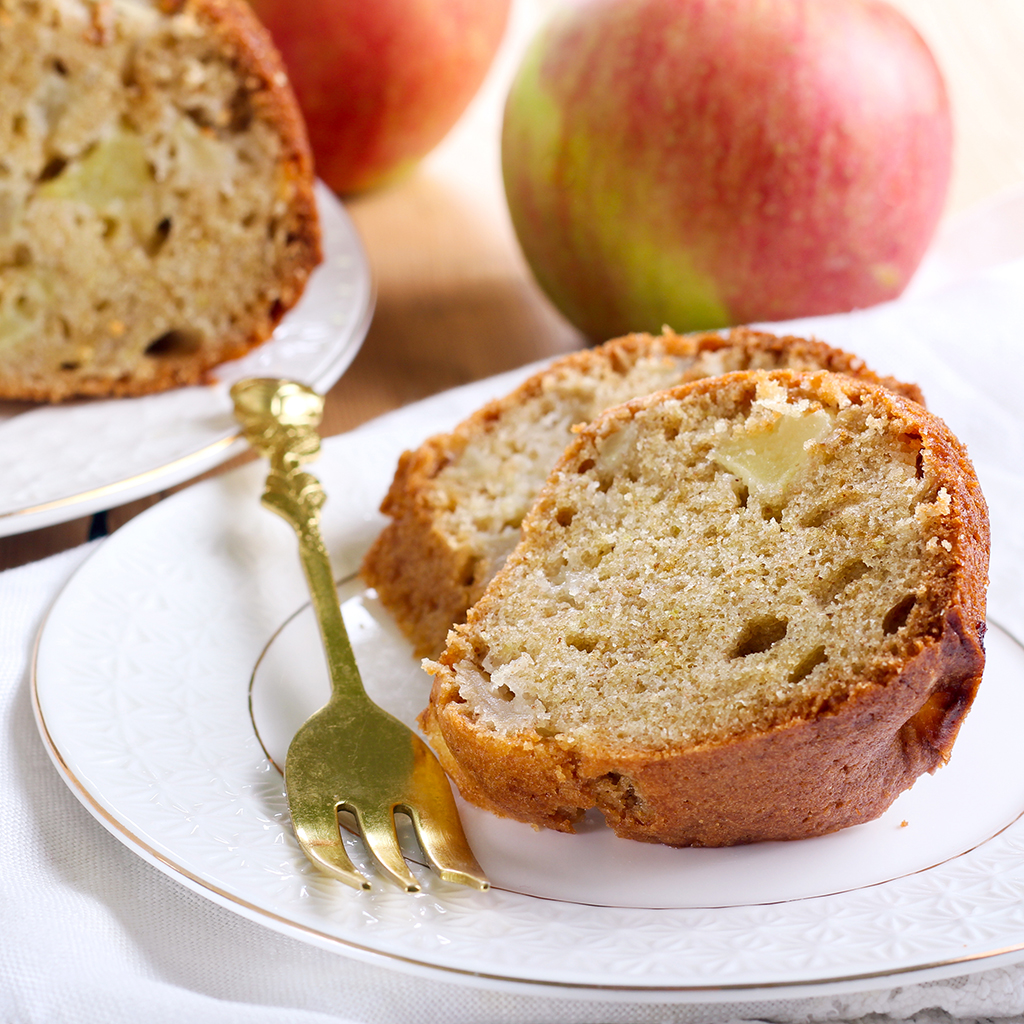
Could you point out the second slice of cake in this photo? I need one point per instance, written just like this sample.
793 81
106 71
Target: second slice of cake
456 502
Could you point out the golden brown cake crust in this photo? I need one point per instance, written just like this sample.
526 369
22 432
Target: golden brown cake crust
244 44
823 766
427 577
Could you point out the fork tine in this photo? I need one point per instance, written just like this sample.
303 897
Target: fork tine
377 827
319 835
447 850
435 818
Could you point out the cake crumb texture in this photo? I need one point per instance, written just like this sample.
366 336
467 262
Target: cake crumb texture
457 502
156 194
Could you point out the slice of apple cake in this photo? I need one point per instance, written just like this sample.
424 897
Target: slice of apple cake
747 608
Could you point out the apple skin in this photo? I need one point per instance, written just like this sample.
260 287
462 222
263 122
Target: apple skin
701 163
380 82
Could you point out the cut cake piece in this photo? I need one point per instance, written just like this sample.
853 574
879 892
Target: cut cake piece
157 214
748 608
456 503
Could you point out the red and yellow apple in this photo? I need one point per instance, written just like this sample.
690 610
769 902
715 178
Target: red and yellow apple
380 82
699 163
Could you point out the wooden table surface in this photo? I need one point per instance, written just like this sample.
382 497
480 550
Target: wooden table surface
455 301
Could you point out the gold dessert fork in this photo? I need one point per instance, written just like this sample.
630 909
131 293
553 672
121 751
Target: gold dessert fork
350 755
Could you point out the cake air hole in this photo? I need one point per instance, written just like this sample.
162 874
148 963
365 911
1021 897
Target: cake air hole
179 342
808 664
835 584
759 635
53 169
160 235
897 616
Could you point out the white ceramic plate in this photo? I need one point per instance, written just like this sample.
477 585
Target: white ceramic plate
61 462
142 686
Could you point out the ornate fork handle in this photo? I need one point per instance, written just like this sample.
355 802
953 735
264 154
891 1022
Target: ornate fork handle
279 420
